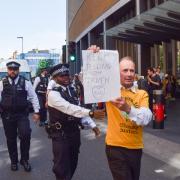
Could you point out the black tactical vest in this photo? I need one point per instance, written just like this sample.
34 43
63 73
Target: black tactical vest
41 88
69 123
14 97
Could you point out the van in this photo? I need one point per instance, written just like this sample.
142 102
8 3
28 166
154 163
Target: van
23 71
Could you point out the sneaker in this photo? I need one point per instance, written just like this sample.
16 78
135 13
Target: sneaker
26 165
14 166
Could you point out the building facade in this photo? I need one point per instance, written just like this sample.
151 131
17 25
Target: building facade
146 30
34 56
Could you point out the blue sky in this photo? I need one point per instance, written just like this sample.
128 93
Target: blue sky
42 23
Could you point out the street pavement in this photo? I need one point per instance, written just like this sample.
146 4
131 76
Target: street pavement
161 157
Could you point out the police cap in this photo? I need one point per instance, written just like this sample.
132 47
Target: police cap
13 64
60 70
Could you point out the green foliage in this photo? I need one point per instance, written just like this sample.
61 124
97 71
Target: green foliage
43 64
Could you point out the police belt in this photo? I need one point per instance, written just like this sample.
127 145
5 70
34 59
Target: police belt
54 126
58 127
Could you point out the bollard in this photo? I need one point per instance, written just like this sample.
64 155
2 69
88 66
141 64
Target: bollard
158 109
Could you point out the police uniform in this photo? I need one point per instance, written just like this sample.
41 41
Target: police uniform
14 112
65 116
40 86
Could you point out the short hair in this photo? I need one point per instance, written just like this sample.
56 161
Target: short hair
151 69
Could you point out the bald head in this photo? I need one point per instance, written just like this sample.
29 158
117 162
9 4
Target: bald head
126 58
127 71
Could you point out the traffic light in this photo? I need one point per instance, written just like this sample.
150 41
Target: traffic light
72 51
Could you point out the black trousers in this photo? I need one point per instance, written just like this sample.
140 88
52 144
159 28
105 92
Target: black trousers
65 151
17 125
124 163
43 109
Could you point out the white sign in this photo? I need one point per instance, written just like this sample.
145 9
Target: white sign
101 77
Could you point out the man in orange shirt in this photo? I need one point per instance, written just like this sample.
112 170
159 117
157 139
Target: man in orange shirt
126 117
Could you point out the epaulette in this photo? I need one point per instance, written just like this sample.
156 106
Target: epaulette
57 88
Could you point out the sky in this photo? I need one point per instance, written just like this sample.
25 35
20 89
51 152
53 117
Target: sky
41 23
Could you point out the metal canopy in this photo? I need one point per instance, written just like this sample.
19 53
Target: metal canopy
159 24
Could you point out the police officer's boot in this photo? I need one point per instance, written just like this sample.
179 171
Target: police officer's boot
26 165
14 167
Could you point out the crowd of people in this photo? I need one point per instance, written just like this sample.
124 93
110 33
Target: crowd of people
157 80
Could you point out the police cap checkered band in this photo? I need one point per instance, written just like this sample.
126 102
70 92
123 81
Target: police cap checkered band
61 72
60 69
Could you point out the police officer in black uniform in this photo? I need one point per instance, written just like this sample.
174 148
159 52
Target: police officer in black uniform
14 91
40 86
64 128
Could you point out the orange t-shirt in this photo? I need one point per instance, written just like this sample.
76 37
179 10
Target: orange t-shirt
121 131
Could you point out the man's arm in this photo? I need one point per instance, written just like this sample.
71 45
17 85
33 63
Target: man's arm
141 116
32 97
36 82
87 121
56 101
157 83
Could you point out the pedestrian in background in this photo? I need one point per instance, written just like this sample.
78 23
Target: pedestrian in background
154 83
40 87
126 117
14 92
65 116
160 73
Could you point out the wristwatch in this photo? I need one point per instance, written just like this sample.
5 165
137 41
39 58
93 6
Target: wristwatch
91 113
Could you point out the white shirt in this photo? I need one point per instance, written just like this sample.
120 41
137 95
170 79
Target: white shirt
51 84
31 95
87 122
56 101
36 82
141 116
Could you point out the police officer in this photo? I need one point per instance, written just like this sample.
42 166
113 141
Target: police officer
40 86
14 91
65 116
